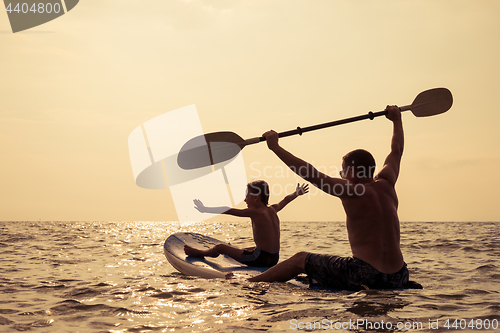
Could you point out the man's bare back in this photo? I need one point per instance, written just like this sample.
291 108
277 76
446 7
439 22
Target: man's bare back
373 226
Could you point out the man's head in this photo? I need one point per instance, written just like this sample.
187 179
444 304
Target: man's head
358 164
260 189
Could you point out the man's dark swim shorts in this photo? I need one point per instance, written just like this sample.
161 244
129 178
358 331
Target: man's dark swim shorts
349 273
259 258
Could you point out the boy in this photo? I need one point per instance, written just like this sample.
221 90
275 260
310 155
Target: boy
265 225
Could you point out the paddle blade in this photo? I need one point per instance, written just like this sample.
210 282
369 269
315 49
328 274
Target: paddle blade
431 102
209 149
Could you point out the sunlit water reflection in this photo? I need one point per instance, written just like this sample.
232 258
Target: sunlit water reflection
113 277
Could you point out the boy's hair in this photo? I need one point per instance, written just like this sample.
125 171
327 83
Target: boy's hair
260 188
360 162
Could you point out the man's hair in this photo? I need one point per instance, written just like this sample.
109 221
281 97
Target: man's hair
360 163
260 188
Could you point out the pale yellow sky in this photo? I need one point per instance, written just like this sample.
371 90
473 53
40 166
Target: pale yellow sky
73 89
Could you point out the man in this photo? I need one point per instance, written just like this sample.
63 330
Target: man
372 221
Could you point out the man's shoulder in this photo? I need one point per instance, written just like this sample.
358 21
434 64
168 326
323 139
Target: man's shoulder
382 183
363 190
381 188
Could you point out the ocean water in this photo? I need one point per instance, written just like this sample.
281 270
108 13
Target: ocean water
113 277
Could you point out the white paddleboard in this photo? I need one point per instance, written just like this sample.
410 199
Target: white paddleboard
210 268
203 267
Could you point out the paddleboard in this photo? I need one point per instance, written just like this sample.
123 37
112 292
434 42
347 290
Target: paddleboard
207 267
210 268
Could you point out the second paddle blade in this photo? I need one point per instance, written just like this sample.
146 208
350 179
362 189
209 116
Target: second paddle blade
209 149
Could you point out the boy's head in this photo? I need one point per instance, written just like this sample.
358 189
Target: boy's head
358 163
259 188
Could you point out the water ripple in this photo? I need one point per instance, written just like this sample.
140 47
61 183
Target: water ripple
113 276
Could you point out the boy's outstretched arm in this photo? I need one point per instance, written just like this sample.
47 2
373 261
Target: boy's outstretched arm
223 210
300 190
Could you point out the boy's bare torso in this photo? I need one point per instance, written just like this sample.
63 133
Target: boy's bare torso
266 229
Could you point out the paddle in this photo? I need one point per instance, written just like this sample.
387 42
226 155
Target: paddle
213 148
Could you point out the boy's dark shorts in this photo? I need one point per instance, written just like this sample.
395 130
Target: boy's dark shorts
259 258
348 273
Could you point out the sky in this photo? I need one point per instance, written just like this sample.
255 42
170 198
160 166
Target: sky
73 89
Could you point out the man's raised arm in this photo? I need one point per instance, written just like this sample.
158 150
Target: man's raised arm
301 167
390 170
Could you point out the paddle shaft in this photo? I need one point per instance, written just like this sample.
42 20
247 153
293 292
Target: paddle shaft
223 146
370 115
